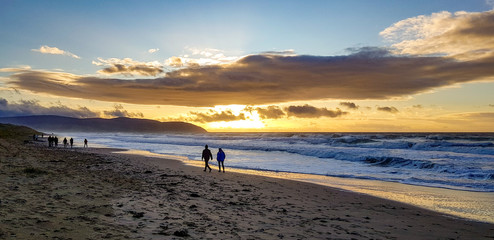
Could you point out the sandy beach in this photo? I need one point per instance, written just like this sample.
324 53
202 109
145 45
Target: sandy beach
60 193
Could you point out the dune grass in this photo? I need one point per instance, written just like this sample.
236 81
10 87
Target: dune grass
9 131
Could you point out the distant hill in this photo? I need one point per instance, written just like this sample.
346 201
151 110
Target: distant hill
50 123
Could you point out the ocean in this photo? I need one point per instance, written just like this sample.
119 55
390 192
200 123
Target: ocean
451 173
461 161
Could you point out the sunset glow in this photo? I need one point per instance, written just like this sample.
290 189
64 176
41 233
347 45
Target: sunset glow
346 66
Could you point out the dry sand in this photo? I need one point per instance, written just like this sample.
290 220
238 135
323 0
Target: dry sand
49 193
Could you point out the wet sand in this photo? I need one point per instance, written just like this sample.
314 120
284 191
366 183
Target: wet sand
92 193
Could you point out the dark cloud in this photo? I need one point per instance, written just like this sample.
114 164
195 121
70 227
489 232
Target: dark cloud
491 105
270 112
307 111
418 106
260 79
32 107
213 116
119 111
349 105
142 70
128 67
388 109
284 52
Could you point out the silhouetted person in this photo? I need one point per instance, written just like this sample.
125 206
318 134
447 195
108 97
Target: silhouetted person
50 141
220 157
206 155
64 142
85 142
71 142
56 141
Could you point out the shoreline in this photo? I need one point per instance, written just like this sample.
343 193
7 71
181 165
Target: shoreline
363 198
476 206
97 193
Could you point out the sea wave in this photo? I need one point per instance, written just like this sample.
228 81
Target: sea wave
461 161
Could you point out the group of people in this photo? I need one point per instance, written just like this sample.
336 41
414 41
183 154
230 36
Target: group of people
65 143
220 157
53 142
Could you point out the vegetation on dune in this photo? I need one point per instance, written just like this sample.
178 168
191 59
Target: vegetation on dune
10 131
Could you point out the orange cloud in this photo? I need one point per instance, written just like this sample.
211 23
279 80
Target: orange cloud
369 73
212 116
462 35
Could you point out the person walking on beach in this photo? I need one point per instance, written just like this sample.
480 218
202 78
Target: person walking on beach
71 142
56 141
64 142
220 157
85 142
207 155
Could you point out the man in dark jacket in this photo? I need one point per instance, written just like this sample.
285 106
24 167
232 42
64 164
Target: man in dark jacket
206 155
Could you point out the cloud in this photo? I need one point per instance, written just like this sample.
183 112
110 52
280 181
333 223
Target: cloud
213 116
476 116
270 112
119 111
153 50
349 105
207 52
491 105
307 111
174 62
15 69
54 50
485 115
200 57
435 51
288 52
388 109
32 107
461 35
418 106
128 67
259 80
471 118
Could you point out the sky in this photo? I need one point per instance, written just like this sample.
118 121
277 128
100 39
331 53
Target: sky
257 66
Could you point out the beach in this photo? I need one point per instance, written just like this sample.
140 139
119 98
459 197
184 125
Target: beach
96 193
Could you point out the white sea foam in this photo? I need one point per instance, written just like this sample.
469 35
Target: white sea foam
463 161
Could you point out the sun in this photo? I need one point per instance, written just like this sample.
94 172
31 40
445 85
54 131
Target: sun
241 124
252 119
